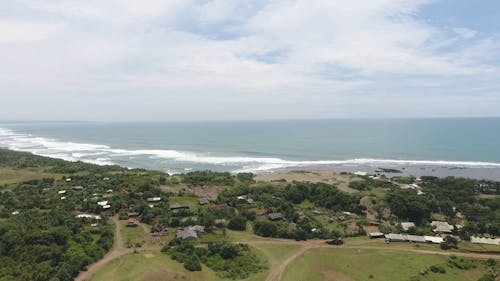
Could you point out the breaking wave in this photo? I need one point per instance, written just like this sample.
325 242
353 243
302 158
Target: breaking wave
106 155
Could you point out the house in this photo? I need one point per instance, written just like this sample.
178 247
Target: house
407 225
154 199
94 224
88 216
63 198
178 207
62 191
442 227
190 232
105 207
78 187
275 216
359 173
415 238
376 235
392 237
132 214
187 234
203 201
316 212
242 197
68 179
159 230
250 201
109 191
216 208
488 241
102 203
15 213
200 229
434 239
131 222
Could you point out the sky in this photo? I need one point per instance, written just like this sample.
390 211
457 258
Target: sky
153 60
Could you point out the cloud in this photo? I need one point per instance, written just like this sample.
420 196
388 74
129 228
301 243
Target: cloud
320 53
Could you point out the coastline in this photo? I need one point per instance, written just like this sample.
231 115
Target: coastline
416 170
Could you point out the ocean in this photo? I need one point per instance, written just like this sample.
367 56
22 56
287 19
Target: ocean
461 145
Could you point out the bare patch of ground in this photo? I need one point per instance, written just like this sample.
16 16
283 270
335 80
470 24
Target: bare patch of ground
341 181
329 274
210 192
486 196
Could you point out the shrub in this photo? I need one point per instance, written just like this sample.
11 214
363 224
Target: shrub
237 223
192 264
437 269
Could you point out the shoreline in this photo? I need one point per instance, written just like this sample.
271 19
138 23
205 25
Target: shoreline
416 170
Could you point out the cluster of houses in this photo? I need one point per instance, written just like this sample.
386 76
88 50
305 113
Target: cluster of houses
393 237
94 218
442 228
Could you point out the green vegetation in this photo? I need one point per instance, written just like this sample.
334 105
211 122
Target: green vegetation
234 261
40 245
150 266
347 264
41 237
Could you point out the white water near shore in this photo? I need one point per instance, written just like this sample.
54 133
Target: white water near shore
107 155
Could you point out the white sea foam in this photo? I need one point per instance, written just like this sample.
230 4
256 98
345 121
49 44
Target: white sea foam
106 155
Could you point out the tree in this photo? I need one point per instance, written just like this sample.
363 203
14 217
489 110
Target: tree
265 229
237 223
450 242
193 264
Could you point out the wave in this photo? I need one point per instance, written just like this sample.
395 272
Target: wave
105 155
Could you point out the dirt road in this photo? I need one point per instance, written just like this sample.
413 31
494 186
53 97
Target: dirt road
117 251
276 273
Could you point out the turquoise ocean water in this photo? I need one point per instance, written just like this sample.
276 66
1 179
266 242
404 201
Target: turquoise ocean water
260 146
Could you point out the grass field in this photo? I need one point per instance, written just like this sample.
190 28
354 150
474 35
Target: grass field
156 266
192 202
133 236
358 265
11 175
150 266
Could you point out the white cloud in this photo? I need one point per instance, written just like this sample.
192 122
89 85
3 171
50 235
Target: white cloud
465 33
26 32
321 53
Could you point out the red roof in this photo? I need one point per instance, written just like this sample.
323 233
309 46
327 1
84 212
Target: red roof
218 207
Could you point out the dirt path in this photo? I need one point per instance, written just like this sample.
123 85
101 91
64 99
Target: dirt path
117 251
276 273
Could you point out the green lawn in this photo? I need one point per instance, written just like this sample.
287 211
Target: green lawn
155 266
12 175
133 235
150 266
358 265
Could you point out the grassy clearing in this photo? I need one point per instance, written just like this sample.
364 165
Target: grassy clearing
154 265
150 266
133 236
358 265
471 247
12 175
192 202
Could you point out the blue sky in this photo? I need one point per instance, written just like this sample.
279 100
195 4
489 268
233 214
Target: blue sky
229 60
